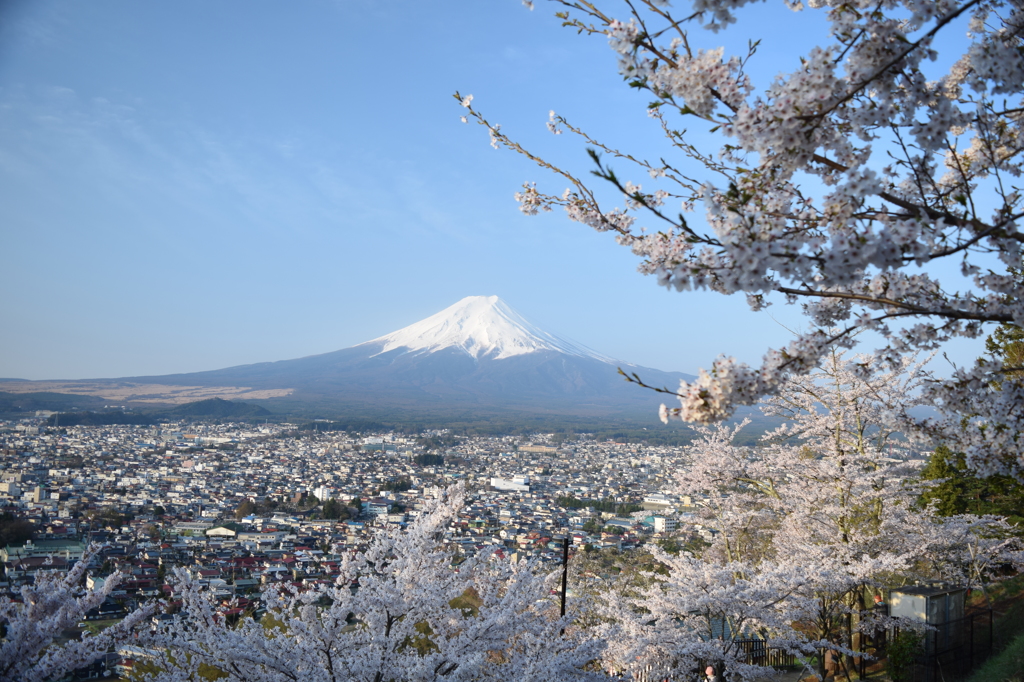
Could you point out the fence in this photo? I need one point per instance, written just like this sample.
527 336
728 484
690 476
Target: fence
758 653
952 649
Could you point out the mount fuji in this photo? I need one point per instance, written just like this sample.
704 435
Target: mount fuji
476 357
482 327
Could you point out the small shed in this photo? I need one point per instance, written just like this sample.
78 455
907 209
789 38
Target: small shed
939 605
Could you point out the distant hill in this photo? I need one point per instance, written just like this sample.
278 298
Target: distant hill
18 403
213 408
218 408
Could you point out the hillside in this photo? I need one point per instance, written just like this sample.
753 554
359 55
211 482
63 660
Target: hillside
217 408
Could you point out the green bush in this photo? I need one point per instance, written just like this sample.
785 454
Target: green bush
903 652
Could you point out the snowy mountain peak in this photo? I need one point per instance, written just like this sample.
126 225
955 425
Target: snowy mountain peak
480 326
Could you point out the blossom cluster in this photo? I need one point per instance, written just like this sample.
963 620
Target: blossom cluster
839 186
396 611
51 604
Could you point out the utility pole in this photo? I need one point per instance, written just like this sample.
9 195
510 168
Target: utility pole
565 569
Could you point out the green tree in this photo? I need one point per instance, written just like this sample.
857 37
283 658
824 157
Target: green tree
14 531
1007 344
959 491
244 509
399 486
333 509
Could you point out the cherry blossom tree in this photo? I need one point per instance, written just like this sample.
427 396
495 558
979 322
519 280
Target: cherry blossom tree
398 611
53 603
694 614
969 550
815 515
848 406
841 186
790 510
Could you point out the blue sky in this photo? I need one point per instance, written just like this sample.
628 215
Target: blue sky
192 185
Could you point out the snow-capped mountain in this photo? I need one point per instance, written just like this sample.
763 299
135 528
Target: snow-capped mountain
482 327
478 356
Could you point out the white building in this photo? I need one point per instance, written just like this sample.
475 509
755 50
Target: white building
518 484
656 501
663 524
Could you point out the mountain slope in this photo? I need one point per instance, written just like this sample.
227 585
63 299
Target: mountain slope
478 354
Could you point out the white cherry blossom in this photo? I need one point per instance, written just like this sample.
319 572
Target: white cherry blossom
838 186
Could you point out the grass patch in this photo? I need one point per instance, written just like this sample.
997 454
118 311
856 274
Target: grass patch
469 602
1006 666
1008 626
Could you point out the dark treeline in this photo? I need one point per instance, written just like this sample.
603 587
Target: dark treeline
484 424
106 418
314 417
962 492
437 442
398 486
355 424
